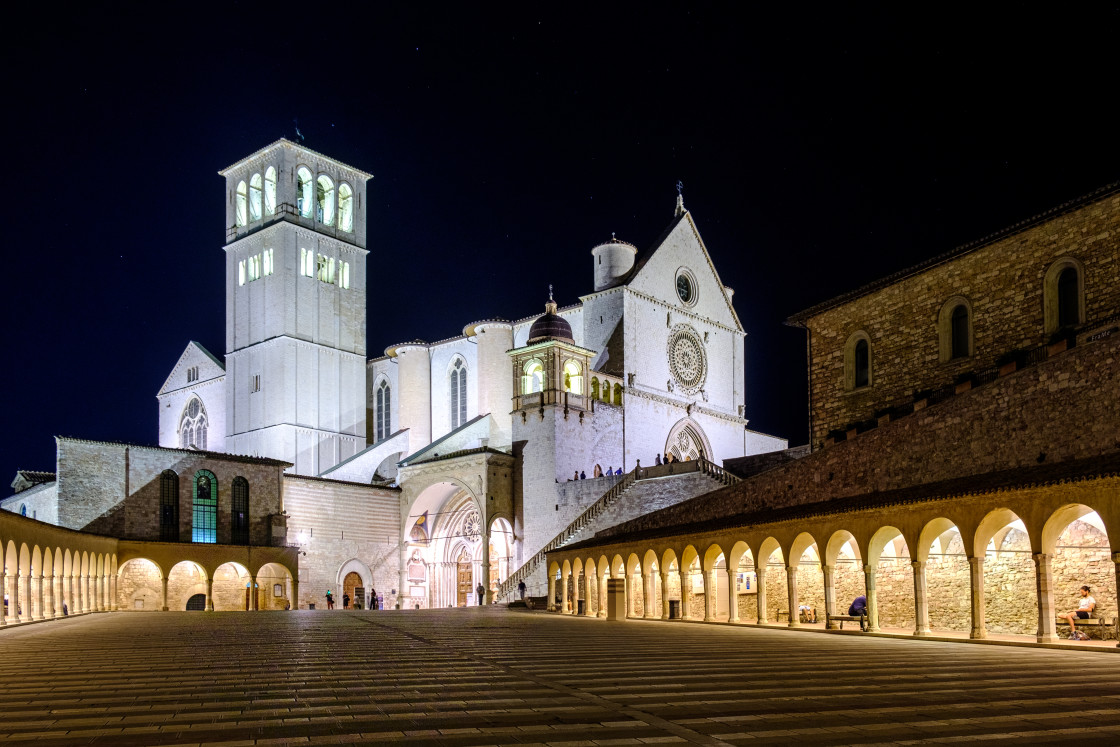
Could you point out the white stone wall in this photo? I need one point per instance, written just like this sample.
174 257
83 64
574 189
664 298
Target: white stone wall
378 370
40 502
443 356
494 376
177 392
414 395
603 330
340 527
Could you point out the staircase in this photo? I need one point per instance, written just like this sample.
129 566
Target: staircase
638 493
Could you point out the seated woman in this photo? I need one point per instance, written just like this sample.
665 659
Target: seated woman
807 613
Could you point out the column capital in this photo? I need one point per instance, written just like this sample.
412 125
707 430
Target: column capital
826 568
974 561
917 565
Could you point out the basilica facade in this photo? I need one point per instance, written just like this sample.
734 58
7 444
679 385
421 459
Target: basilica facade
460 449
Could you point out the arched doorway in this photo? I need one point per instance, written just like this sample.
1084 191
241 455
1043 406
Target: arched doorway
197 603
687 441
352 591
464 575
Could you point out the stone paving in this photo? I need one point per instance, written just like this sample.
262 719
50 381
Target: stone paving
492 676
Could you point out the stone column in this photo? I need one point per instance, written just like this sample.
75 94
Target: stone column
163 606
113 592
50 612
40 594
564 589
732 597
209 594
1116 563
872 599
976 574
551 593
1044 588
487 597
791 587
665 595
254 594
760 576
25 592
649 596
3 591
591 588
711 604
829 595
921 599
603 599
13 597
294 597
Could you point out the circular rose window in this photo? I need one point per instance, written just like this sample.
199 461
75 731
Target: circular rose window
688 363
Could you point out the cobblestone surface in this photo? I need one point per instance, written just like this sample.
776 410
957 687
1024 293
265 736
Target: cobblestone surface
491 676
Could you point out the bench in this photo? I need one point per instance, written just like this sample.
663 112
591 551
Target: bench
1104 628
861 619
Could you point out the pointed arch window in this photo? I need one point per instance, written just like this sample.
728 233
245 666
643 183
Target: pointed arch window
324 200
458 386
169 506
193 425
270 191
255 187
241 204
239 512
304 189
384 395
204 524
345 207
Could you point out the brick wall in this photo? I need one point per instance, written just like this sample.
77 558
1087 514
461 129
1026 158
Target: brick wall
1003 282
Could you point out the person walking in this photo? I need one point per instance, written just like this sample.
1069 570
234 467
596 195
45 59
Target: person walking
657 460
330 600
373 599
345 601
481 591
521 588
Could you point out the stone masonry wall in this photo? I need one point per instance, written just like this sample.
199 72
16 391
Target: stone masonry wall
1003 282
1062 408
339 524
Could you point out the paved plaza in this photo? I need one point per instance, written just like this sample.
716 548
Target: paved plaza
492 676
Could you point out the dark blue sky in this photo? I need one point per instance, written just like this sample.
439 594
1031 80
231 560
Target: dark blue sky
819 150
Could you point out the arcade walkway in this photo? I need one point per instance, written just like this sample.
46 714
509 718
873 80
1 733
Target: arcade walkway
486 676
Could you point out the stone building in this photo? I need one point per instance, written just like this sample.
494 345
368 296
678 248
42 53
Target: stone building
965 465
189 528
441 466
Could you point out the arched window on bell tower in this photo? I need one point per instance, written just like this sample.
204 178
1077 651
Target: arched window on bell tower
383 411
458 386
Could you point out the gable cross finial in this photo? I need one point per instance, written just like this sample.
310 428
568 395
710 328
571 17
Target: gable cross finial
680 186
550 291
680 199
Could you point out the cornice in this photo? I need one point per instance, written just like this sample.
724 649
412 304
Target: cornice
689 407
684 312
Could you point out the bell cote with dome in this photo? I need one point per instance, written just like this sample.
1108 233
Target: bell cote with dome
550 369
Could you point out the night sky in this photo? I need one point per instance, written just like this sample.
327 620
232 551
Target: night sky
819 150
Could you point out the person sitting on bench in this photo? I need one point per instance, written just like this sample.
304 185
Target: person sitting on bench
807 613
1083 612
859 607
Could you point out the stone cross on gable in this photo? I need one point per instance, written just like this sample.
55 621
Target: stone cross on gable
680 187
550 291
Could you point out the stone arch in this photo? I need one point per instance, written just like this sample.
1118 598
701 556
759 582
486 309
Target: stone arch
687 440
853 379
185 580
1050 293
891 599
231 588
140 585
1077 551
945 331
1005 591
941 548
805 580
354 565
269 577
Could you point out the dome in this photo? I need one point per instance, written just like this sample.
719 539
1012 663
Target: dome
550 326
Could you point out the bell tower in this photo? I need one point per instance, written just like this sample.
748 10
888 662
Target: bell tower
295 307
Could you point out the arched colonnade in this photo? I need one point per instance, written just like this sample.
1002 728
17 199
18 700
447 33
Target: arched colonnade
1004 562
47 571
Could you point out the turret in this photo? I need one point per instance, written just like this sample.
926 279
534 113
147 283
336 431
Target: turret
414 381
613 260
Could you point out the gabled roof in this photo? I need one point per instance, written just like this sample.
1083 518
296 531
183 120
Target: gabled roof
430 448
643 259
26 478
170 386
799 319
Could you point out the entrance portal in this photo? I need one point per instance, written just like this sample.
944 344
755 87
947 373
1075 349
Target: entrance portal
197 603
464 583
350 586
